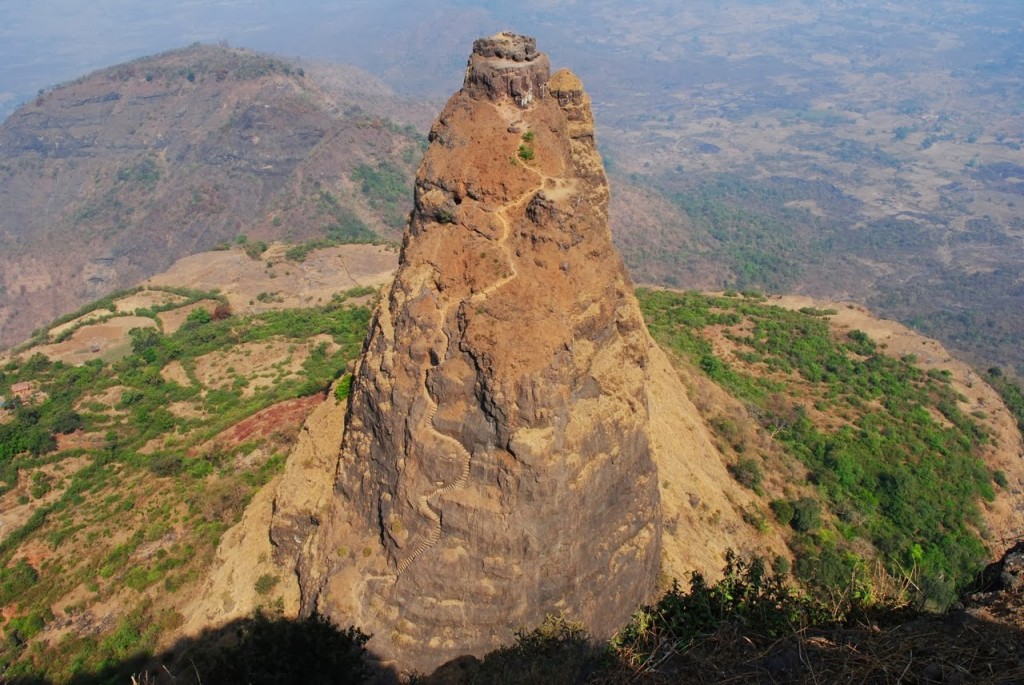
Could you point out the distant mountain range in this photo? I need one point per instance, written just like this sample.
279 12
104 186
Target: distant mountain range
873 157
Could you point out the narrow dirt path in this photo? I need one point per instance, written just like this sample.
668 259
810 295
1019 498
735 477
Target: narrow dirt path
428 510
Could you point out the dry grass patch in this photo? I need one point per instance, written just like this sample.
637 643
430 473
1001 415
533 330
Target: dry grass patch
145 299
108 341
174 372
259 364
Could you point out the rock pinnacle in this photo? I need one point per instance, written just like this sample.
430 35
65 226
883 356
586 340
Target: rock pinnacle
495 466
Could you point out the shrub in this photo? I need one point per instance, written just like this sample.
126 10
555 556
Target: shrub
747 473
754 516
255 249
749 595
559 651
806 515
66 421
343 388
783 511
166 464
860 342
266 583
729 430
198 316
23 628
40 485
16 580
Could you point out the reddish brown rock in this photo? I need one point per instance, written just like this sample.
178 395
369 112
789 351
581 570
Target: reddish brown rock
495 465
507 65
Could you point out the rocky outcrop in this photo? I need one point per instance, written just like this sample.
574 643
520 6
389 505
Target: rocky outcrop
1005 575
507 65
496 465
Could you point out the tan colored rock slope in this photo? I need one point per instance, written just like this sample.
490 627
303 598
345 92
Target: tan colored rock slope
496 464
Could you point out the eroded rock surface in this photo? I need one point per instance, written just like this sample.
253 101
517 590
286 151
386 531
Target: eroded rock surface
495 465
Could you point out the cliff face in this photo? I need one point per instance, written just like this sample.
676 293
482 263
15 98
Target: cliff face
495 465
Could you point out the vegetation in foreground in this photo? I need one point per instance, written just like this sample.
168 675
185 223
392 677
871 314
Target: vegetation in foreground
126 487
755 626
126 482
752 626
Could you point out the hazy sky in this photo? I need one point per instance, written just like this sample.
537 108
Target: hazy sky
45 42
421 46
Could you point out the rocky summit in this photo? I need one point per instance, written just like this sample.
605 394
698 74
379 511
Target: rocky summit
496 465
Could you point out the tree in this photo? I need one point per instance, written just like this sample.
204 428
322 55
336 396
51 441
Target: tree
144 342
66 421
806 515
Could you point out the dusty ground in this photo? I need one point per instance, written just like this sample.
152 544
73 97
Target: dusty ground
85 318
250 285
109 398
80 439
108 341
146 299
257 364
282 283
175 373
172 320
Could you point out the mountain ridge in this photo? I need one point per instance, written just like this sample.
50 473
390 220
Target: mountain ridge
108 179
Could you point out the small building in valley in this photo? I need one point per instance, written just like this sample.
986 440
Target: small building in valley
24 391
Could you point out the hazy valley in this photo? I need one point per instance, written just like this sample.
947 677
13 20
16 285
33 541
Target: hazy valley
843 150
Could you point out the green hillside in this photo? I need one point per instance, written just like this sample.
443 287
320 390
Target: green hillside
897 464
128 472
132 511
